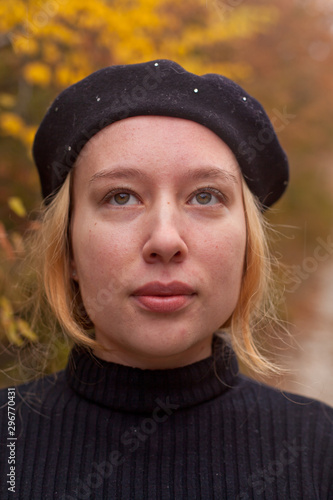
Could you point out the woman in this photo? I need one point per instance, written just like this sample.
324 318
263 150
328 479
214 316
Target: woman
152 241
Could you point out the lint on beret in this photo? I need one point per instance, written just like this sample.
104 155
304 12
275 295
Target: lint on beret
162 88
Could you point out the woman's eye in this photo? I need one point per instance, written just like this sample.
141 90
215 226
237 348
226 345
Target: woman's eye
207 197
122 198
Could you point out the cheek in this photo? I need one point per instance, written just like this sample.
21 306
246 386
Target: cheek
93 241
225 258
101 258
91 249
224 263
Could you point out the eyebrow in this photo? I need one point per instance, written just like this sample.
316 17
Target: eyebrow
119 173
196 174
211 173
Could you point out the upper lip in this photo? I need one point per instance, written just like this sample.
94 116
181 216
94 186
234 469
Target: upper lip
158 288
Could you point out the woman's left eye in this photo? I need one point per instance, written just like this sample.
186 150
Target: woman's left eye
207 196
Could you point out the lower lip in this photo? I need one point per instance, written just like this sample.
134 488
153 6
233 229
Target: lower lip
163 304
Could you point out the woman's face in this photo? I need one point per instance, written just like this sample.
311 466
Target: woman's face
158 237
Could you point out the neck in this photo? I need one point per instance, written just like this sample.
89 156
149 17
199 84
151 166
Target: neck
156 360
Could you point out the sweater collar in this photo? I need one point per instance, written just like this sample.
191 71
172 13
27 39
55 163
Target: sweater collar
128 389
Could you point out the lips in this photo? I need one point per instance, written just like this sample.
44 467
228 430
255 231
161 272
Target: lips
164 289
164 297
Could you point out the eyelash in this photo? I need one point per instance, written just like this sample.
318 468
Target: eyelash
220 196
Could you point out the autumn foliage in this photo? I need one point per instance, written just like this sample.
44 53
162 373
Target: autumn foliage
279 50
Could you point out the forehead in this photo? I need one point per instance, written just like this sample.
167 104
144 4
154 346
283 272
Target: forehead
147 142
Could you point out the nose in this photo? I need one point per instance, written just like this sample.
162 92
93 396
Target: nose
164 239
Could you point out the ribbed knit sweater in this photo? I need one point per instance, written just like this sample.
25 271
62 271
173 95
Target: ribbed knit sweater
100 430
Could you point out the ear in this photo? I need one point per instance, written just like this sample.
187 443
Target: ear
73 271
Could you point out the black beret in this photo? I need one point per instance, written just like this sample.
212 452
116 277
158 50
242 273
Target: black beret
163 88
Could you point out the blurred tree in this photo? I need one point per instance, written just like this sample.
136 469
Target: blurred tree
293 75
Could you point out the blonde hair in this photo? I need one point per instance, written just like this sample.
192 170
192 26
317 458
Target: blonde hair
253 312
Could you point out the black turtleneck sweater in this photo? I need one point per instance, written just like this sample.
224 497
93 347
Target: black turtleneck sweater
99 430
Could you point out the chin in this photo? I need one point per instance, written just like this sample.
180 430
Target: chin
160 349
178 349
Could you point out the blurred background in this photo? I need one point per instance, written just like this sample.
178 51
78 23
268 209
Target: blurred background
280 51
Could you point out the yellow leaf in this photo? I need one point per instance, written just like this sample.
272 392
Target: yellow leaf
6 308
12 335
37 73
7 100
17 206
26 46
14 327
25 330
66 75
8 322
51 53
27 135
11 123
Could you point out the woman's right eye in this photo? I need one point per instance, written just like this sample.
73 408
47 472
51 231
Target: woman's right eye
121 198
